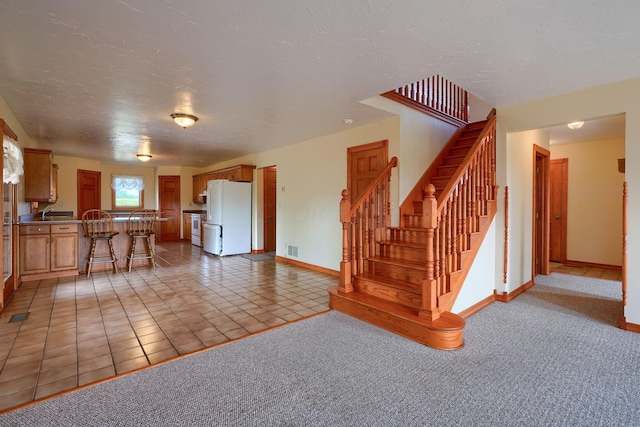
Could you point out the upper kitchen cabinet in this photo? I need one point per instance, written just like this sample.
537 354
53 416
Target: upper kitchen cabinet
40 176
234 173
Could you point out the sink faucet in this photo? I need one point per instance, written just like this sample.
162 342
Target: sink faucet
45 210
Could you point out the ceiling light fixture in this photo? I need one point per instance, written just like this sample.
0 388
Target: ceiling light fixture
575 125
144 157
184 120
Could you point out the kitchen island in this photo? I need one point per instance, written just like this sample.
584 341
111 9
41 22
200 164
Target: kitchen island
57 247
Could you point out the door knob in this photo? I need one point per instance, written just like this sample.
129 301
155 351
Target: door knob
557 216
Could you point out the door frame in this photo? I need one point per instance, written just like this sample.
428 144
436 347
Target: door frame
540 212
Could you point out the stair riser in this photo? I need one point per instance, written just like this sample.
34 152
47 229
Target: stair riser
451 160
395 272
403 253
412 221
409 299
409 236
448 170
458 151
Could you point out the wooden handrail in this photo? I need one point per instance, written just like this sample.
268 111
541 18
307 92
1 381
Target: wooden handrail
452 220
488 130
364 223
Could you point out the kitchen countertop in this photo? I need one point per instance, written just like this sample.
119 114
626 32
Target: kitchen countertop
64 220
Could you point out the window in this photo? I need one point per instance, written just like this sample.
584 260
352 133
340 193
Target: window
127 192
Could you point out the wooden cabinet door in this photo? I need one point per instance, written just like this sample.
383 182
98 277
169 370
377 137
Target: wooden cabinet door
34 253
186 226
37 175
64 251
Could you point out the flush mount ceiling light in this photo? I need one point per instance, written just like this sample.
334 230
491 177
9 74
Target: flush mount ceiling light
144 157
575 125
184 120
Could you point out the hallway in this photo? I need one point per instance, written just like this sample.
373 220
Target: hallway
81 330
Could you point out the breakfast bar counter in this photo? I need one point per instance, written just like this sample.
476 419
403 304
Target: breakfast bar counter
66 241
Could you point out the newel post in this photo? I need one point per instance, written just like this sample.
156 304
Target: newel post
429 309
345 284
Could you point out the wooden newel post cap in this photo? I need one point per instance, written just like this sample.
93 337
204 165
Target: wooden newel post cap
345 194
429 192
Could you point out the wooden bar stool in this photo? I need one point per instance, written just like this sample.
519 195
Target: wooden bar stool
141 224
98 225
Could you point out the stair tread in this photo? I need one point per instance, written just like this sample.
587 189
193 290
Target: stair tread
399 262
422 229
414 245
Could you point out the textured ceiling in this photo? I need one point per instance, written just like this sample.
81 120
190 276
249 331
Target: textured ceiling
99 79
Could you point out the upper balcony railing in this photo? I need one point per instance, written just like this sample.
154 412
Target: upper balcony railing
435 96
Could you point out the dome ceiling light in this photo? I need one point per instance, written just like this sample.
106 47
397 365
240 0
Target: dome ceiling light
144 157
575 125
184 120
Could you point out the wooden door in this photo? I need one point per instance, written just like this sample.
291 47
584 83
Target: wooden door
169 194
270 209
540 211
88 191
364 164
558 190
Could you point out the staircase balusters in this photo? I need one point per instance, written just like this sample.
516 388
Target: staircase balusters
364 224
459 208
436 94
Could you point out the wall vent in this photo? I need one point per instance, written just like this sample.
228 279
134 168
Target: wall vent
292 251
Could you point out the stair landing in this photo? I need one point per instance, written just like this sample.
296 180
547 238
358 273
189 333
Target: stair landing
444 333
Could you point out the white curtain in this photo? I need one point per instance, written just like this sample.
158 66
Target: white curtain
127 182
13 163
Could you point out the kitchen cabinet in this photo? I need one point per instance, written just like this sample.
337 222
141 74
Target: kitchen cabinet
40 176
186 226
234 173
48 250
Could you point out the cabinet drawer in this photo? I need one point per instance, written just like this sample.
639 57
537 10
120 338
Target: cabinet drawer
64 228
34 229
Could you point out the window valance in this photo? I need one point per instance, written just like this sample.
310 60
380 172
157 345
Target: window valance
127 182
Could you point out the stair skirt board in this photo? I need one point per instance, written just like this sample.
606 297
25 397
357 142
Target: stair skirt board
442 334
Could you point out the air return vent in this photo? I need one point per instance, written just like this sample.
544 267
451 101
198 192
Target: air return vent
292 251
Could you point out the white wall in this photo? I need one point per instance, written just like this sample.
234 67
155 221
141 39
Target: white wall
480 280
608 100
594 210
421 139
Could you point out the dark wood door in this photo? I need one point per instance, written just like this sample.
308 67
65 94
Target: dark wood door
88 191
364 164
270 209
558 189
169 195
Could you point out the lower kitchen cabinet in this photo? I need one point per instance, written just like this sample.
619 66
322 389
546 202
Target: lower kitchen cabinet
48 250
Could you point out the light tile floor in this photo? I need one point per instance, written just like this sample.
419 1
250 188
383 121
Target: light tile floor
81 330
600 273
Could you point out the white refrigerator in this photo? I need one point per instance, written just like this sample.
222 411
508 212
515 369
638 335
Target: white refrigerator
227 230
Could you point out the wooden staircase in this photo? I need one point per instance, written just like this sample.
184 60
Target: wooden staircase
406 279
